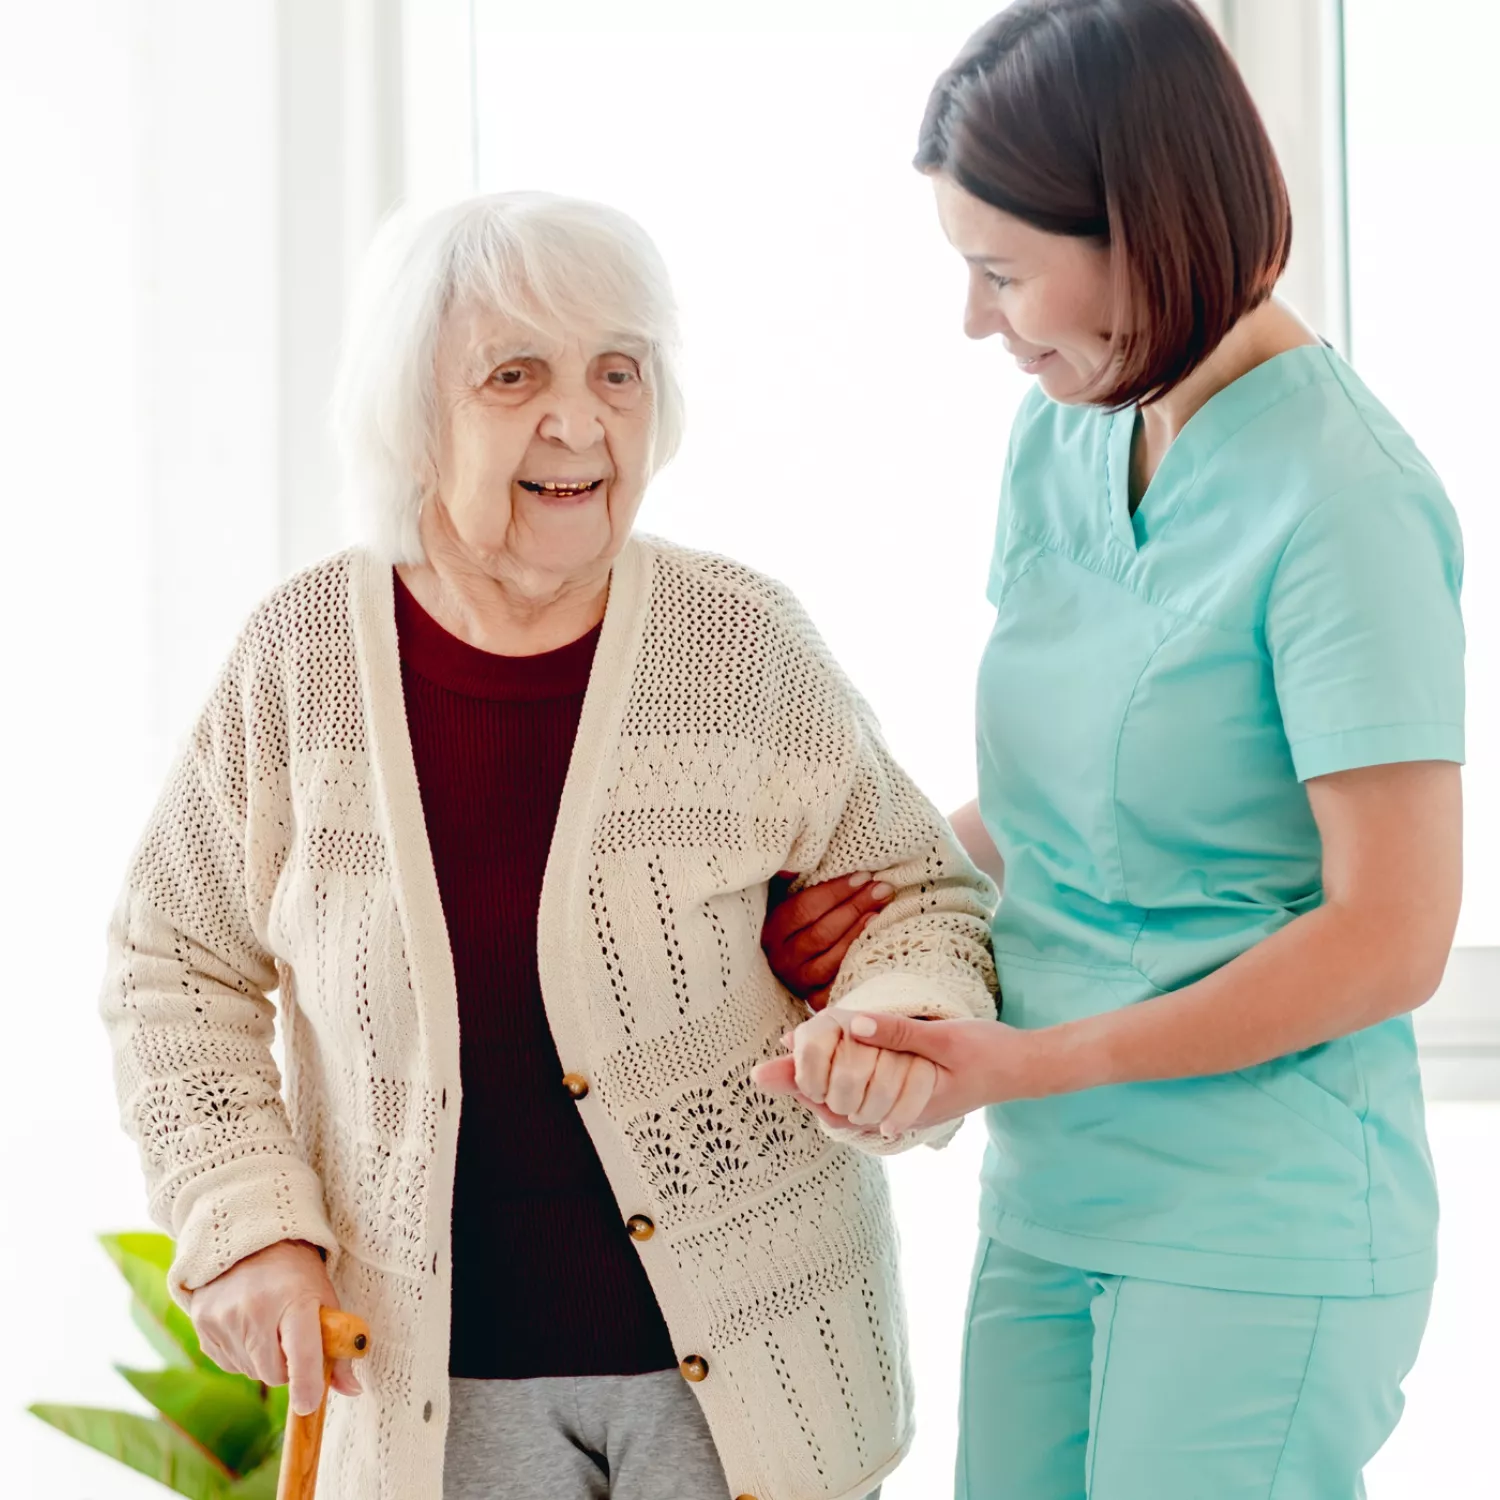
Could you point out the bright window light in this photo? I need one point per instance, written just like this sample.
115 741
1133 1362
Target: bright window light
1424 161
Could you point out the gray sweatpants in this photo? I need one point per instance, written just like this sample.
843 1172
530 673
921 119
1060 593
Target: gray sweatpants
593 1437
596 1437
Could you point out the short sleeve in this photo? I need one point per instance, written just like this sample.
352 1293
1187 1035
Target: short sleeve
1365 633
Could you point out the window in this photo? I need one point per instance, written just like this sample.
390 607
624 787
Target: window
1423 164
1423 159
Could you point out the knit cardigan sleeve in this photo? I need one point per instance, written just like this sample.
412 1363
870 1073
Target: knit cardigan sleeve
927 953
185 994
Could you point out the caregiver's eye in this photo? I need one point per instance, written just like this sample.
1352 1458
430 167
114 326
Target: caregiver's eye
995 279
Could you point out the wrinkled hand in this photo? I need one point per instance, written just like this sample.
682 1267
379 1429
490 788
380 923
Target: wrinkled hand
260 1318
847 1084
806 936
972 1063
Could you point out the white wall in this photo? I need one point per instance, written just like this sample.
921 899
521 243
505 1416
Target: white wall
191 186
201 118
135 400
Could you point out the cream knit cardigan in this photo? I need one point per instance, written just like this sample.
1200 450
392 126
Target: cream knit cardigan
719 743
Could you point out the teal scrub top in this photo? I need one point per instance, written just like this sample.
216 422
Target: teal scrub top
1282 605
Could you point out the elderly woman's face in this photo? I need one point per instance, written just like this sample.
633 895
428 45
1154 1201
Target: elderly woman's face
543 445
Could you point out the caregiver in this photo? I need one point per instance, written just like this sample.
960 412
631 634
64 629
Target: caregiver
1219 727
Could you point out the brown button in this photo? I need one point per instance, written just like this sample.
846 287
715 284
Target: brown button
694 1368
641 1228
576 1084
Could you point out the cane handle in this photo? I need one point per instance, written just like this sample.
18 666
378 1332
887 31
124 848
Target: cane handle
344 1337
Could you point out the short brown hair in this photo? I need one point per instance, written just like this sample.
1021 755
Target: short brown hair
1125 122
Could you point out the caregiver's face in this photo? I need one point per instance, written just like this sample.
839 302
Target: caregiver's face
1047 296
544 444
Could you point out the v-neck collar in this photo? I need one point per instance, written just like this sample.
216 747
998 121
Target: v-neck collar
398 798
1202 436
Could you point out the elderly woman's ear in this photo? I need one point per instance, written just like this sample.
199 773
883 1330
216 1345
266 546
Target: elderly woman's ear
426 479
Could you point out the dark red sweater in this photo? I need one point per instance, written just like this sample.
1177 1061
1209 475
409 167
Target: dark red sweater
546 1280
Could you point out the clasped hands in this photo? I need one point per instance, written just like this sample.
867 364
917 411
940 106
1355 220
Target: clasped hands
892 1074
872 1071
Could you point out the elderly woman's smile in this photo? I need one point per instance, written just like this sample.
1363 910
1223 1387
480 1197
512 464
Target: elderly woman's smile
560 489
543 447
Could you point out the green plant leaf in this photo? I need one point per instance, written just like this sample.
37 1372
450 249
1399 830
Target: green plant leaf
226 1414
143 1260
158 1337
275 1399
278 1403
148 1446
270 1446
261 1484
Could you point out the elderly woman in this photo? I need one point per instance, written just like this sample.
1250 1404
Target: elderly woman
493 804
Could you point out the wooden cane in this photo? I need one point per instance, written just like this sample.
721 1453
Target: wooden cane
344 1337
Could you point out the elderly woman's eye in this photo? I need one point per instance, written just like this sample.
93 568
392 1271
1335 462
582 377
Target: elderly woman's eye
510 375
619 371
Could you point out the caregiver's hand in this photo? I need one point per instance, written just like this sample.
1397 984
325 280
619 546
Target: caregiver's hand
260 1318
807 935
847 1083
973 1063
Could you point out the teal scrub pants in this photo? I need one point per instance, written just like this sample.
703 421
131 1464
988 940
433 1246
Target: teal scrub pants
1079 1386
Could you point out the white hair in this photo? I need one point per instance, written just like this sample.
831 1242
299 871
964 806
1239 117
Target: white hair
545 262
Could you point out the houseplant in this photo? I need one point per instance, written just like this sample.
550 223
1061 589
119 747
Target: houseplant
215 1436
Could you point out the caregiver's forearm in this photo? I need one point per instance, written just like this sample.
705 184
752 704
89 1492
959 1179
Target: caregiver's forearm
978 845
1325 975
